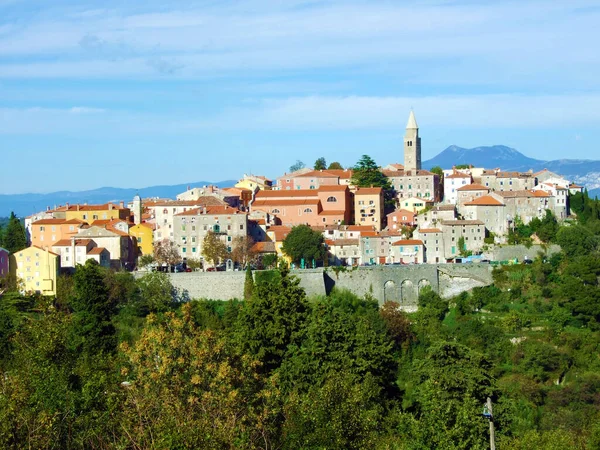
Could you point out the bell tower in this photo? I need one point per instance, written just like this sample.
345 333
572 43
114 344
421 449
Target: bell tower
412 144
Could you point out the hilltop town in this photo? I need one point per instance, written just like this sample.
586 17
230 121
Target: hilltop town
416 217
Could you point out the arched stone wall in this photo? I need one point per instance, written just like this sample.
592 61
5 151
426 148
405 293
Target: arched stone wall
390 292
408 294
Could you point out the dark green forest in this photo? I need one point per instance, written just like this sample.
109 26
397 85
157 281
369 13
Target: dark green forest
115 362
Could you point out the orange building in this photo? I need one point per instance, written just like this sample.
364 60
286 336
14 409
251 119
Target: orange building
46 232
316 207
368 207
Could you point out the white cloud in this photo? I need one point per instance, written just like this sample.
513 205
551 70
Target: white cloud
518 39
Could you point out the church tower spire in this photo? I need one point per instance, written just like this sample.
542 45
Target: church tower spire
412 144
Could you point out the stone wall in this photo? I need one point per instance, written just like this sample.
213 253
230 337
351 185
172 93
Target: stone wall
506 252
384 283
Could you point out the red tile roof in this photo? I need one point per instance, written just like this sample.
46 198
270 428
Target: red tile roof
473 187
429 230
408 242
486 200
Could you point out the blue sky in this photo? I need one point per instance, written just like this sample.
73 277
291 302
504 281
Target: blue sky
133 94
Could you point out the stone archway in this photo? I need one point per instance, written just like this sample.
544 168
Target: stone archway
422 284
390 292
408 294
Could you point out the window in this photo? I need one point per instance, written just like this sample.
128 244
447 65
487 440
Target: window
95 217
275 211
42 229
331 199
139 239
184 250
217 228
241 226
193 249
308 210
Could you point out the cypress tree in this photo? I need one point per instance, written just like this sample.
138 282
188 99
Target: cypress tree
15 238
248 284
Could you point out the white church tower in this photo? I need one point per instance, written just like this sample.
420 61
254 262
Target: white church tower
412 144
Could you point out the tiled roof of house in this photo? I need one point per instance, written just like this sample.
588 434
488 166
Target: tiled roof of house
486 200
452 223
400 212
360 228
58 222
341 242
337 212
369 234
408 242
541 193
67 243
286 202
368 191
318 174
96 251
429 230
210 210
406 173
439 208
514 175
207 200
514 194
332 188
264 247
473 187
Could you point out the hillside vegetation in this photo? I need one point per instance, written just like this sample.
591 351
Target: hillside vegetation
115 362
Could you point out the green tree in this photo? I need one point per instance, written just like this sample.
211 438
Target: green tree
320 164
452 384
576 240
304 243
189 389
145 260
15 237
335 166
213 248
248 283
272 319
366 173
298 165
344 335
438 171
156 293
93 309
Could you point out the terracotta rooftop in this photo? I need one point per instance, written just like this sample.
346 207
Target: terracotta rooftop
207 200
96 251
340 242
429 230
408 242
541 193
368 191
67 243
264 247
58 222
458 175
486 200
473 187
286 202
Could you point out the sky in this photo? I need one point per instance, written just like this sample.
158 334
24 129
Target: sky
135 94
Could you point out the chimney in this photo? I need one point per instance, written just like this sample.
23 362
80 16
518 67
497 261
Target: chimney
47 208
204 210
110 206
67 205
122 204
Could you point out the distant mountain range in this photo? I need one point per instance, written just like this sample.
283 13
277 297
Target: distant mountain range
26 204
581 171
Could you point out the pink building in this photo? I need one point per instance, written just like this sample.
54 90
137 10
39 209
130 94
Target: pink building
314 179
3 262
315 207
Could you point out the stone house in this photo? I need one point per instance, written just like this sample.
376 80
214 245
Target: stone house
469 192
407 251
344 252
421 184
433 242
77 251
118 244
432 217
473 232
490 210
191 227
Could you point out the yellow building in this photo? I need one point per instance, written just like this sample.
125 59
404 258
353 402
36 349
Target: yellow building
368 207
277 234
36 270
144 238
414 204
254 182
91 213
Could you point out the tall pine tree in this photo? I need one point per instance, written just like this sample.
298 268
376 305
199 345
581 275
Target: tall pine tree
15 238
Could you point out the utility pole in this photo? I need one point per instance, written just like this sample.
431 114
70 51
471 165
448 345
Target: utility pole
491 419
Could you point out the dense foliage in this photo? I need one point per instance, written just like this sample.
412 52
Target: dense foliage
304 243
115 362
